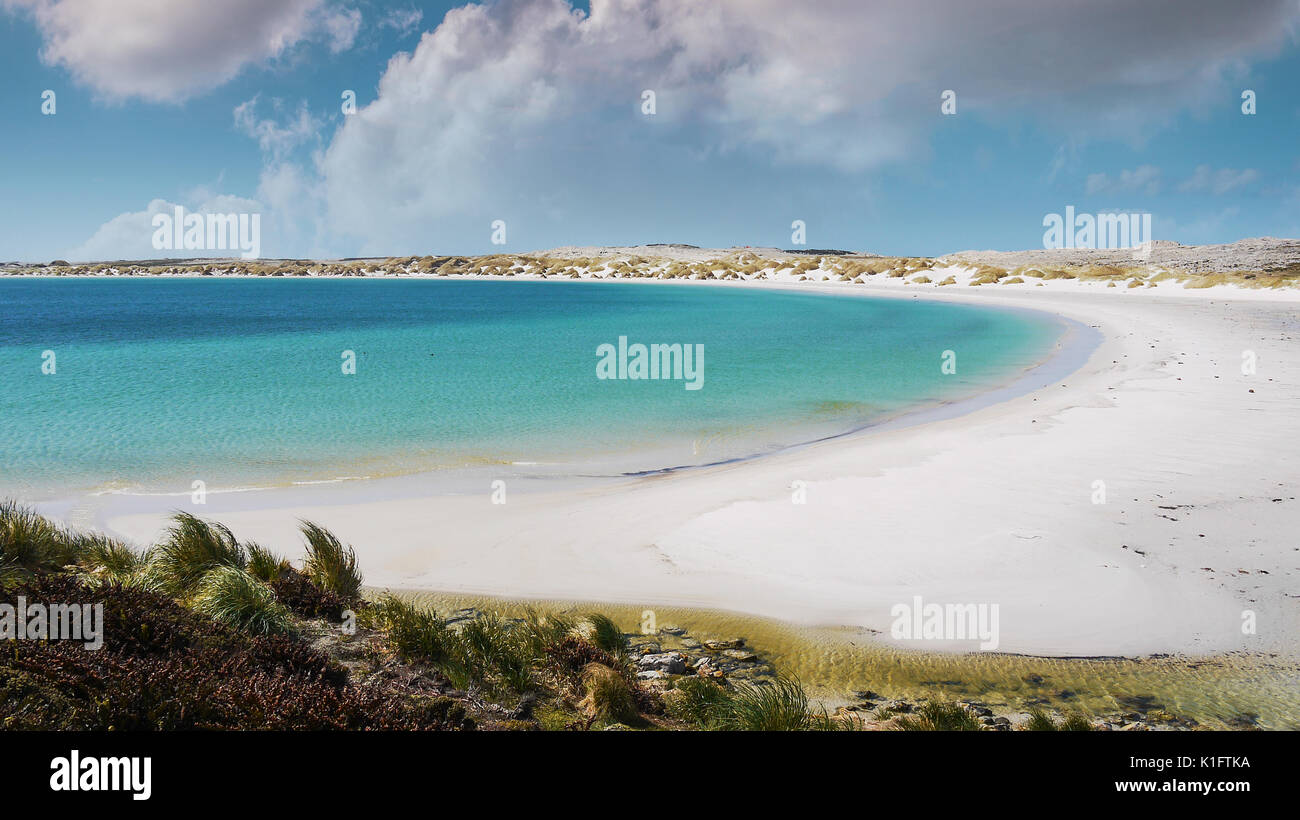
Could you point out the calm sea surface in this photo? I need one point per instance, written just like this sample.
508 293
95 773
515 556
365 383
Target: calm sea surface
241 382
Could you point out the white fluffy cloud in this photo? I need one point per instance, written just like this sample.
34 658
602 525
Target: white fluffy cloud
341 26
529 110
1144 178
276 139
168 51
403 21
130 235
484 112
1218 182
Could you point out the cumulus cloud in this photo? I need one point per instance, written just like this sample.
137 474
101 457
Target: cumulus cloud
276 139
1218 182
1144 178
403 21
169 51
130 235
341 26
288 197
486 113
530 110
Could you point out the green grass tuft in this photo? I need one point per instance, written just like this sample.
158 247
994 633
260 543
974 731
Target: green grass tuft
697 700
232 596
193 548
29 542
330 563
604 633
263 564
607 695
413 633
1040 721
936 716
107 559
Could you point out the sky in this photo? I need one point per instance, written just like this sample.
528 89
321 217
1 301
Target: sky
533 116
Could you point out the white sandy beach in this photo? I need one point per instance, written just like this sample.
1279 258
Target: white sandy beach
993 506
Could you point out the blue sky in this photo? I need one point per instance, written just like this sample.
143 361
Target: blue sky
529 111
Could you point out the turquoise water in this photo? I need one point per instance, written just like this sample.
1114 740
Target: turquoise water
240 381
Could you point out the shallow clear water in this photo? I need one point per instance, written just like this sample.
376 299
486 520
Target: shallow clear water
240 381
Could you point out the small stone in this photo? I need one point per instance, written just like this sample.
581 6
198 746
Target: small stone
719 645
673 663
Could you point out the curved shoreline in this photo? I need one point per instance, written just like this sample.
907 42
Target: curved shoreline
990 505
1067 352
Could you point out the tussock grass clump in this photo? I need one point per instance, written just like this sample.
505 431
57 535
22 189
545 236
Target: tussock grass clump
1040 721
696 700
937 716
603 633
781 706
263 564
607 695
545 631
193 547
330 563
415 634
488 652
29 542
107 558
231 596
495 654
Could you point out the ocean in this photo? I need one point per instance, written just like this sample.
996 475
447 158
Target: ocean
147 385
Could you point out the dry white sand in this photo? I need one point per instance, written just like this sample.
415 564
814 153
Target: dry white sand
994 506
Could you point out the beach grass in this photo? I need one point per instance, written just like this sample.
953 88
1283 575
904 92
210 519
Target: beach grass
938 716
192 548
330 563
31 543
231 596
263 564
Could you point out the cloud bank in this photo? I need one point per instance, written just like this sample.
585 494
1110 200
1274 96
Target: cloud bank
170 51
531 110
485 114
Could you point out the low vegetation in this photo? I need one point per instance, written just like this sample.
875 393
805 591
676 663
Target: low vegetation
937 716
741 264
1040 721
203 631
